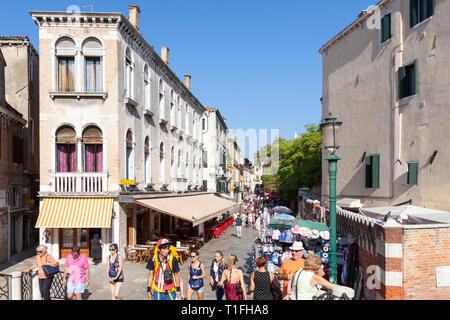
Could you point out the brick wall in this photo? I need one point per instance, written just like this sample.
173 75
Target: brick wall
424 250
3 237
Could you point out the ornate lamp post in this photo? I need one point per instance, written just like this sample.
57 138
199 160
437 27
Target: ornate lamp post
330 133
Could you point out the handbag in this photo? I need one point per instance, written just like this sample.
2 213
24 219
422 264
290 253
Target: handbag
112 270
275 289
195 284
239 289
50 271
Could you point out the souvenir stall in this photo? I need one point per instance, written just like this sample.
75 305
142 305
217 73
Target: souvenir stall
281 231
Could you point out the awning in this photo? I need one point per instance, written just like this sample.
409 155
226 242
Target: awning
75 213
196 209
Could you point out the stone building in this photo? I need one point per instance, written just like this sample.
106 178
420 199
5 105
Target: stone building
119 132
20 96
384 77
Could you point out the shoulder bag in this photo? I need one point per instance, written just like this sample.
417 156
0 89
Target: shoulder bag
49 270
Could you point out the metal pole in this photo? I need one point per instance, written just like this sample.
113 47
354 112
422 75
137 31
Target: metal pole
332 170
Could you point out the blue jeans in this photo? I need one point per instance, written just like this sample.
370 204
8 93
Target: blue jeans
164 296
219 293
44 286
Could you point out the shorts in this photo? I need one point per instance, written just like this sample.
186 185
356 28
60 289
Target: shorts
76 287
164 296
202 289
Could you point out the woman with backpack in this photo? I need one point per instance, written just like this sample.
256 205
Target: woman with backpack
196 275
114 271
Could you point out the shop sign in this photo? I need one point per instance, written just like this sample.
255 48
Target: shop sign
443 276
127 182
28 201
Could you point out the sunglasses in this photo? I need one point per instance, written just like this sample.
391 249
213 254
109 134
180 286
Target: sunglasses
112 249
38 251
296 250
193 257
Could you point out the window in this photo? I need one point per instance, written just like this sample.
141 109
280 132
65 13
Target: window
172 109
413 172
92 52
179 164
205 185
407 81
420 10
161 100
146 88
373 172
179 112
66 157
205 159
93 150
187 166
162 173
66 74
129 74
172 163
31 136
129 157
203 124
147 160
386 28
186 122
17 150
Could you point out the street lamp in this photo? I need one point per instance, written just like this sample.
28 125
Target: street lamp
330 134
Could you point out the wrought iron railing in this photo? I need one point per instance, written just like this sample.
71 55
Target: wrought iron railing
27 285
58 290
5 286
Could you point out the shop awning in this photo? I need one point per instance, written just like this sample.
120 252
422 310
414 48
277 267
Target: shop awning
75 213
196 209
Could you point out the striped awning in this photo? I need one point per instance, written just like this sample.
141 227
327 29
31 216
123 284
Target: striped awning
75 213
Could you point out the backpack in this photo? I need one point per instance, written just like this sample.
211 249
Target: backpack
157 266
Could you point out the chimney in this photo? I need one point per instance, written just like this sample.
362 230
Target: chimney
134 14
187 81
165 55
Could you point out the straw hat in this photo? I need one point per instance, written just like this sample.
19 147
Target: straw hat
325 235
305 232
295 229
315 234
297 245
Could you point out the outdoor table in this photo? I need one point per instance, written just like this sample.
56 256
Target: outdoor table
139 252
182 251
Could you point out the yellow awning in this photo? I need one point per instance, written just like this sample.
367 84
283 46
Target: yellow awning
196 209
75 213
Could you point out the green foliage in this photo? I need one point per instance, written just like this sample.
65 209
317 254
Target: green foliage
299 165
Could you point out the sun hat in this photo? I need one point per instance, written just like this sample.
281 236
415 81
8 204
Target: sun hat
315 234
295 229
297 245
305 232
325 235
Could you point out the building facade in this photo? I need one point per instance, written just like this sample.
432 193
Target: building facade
214 131
234 169
386 85
20 94
117 125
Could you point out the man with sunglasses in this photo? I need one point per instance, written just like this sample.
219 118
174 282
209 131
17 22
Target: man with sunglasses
164 281
78 267
292 265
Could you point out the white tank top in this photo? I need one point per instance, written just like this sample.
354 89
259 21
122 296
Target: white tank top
301 289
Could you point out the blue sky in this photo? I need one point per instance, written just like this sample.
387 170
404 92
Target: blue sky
255 60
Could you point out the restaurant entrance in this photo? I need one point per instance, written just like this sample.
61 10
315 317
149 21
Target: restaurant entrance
70 238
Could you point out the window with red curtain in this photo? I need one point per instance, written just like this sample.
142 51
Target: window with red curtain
67 158
93 158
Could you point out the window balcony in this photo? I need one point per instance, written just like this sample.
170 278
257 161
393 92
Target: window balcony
79 182
78 95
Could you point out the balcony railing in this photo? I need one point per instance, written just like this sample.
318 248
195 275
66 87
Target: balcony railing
74 182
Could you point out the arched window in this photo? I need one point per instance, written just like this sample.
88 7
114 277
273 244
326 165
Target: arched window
186 122
66 158
161 99
147 87
178 112
179 164
172 108
93 149
65 52
130 156
93 73
162 173
187 166
172 163
147 161
129 74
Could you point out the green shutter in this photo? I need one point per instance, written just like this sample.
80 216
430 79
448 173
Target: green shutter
386 24
414 12
413 172
430 8
413 78
375 172
368 172
205 159
205 185
401 82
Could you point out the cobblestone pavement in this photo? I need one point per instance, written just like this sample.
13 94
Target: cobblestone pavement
135 285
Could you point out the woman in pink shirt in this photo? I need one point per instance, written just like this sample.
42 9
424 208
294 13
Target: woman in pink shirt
78 267
43 259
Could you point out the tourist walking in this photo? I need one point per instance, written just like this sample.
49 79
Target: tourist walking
196 275
261 281
304 284
238 222
292 265
218 265
164 281
233 281
114 271
78 267
96 249
43 258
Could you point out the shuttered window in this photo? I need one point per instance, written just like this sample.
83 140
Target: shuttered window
386 28
407 82
205 159
413 172
420 10
373 172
